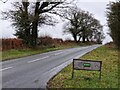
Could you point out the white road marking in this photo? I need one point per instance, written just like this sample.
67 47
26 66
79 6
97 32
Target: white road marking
44 57
60 50
58 53
5 68
38 59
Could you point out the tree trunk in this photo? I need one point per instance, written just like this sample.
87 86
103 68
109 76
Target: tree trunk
35 33
26 23
75 37
35 25
83 39
87 40
79 38
83 36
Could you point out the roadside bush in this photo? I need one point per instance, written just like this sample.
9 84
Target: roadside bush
46 41
11 43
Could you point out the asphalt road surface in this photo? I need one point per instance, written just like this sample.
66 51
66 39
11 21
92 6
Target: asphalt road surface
35 71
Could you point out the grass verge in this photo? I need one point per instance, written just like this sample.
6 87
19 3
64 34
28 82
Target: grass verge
16 53
109 57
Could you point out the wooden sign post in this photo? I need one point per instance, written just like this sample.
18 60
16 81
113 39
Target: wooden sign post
89 65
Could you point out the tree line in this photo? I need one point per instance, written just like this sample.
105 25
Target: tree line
113 20
82 25
27 16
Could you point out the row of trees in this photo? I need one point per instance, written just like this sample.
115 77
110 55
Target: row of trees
82 25
113 18
26 17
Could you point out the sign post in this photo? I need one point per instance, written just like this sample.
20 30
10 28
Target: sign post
89 65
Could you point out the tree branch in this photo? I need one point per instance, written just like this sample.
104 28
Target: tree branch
45 4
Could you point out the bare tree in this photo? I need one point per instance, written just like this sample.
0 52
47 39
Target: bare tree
27 16
81 24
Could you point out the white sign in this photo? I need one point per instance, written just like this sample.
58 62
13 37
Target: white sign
91 65
87 65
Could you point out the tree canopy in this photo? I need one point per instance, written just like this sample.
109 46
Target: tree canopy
81 24
27 16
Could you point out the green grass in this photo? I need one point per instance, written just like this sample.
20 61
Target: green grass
16 53
108 56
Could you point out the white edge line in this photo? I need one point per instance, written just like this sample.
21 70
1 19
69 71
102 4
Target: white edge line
5 68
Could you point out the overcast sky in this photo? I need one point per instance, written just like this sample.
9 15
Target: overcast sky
96 7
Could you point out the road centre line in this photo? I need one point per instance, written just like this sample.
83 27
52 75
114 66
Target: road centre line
5 68
58 53
38 59
43 58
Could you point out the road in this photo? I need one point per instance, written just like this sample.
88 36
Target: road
35 71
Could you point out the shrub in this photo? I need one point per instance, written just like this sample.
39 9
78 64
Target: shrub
11 43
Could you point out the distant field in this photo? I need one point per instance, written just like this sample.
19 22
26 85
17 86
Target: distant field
109 57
